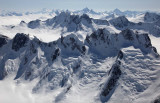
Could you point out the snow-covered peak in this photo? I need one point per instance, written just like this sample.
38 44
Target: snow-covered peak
69 21
64 14
85 10
117 11
62 17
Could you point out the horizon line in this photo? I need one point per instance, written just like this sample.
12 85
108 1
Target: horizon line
51 9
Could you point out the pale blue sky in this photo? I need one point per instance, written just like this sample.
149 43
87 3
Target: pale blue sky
99 5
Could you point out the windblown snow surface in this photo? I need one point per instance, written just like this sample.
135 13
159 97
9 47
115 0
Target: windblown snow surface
75 58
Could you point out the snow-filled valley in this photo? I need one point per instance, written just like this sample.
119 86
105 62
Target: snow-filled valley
80 56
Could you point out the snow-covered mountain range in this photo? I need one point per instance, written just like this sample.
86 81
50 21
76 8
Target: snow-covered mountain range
80 12
80 56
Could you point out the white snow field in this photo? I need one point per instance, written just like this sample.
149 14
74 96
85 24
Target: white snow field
80 56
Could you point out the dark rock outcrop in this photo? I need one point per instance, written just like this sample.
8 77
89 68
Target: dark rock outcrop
120 55
100 34
87 18
34 24
147 41
115 74
121 22
19 41
3 40
32 48
56 54
151 17
128 34
100 22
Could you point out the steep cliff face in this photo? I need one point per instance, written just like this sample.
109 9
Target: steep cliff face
3 40
19 41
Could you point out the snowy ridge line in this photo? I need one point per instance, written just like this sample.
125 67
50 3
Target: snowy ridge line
71 45
69 21
74 23
149 24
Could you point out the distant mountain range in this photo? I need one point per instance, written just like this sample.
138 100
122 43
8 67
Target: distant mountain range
83 11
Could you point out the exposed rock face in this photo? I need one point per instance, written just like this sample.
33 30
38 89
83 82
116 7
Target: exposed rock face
100 34
32 48
34 24
100 22
151 17
87 18
128 34
114 76
56 54
3 40
3 74
120 55
147 41
114 73
121 22
19 41
114 42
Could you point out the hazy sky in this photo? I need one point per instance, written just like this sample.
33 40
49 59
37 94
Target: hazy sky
100 5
